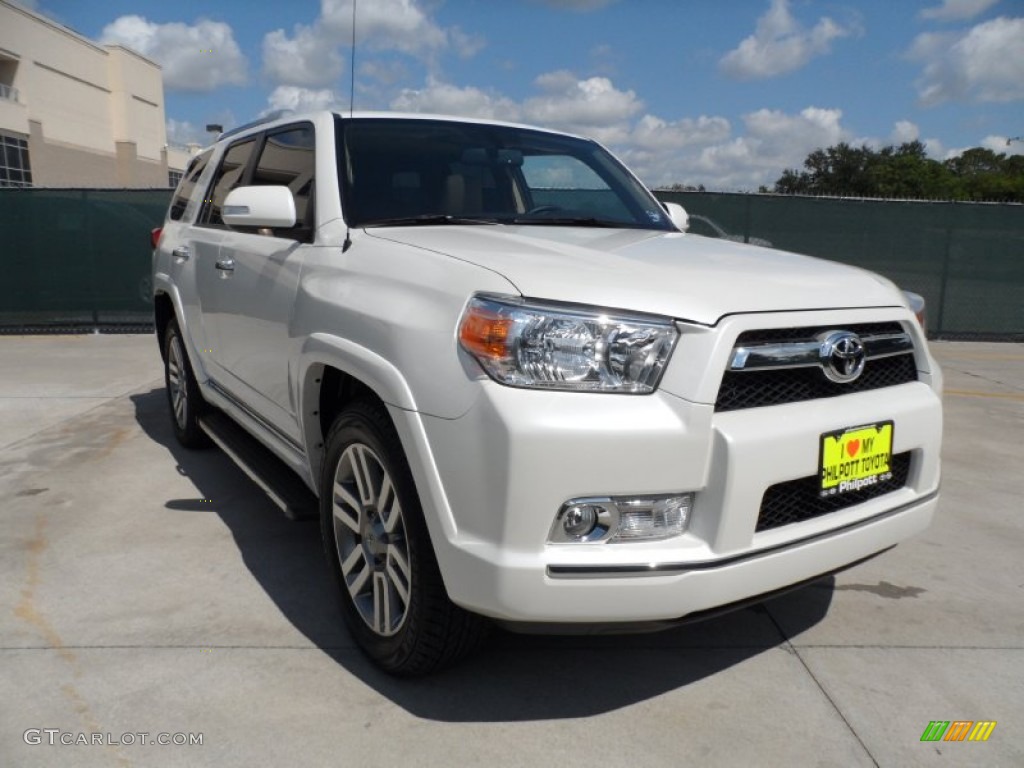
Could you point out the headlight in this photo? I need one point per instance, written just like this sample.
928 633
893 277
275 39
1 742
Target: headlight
548 346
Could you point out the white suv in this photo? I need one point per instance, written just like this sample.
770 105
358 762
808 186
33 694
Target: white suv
521 392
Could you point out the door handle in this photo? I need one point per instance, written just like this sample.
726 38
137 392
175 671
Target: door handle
226 265
181 252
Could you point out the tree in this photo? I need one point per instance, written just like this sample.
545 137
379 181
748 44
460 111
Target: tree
906 171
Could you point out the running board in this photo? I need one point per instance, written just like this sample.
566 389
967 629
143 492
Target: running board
281 485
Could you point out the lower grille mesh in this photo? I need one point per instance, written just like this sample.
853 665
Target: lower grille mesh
798 500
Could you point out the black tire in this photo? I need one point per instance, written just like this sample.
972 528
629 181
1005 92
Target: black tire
379 552
183 396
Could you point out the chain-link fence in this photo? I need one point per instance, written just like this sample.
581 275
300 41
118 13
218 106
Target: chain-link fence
75 259
966 259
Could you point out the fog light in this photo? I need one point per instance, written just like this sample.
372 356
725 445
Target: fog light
621 519
649 520
579 520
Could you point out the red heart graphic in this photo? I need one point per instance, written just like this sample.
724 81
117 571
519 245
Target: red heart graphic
852 447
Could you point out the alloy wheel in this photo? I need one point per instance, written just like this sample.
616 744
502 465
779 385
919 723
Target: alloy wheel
371 540
176 381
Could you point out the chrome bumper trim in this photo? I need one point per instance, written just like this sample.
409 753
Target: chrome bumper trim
668 569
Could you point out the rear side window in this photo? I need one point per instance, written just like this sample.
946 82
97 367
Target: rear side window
228 176
288 159
188 184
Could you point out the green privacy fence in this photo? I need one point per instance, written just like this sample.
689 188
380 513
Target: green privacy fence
74 259
966 259
80 259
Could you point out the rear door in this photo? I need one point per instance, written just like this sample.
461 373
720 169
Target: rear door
185 239
210 288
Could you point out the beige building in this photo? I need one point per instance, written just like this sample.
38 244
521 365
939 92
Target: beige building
74 113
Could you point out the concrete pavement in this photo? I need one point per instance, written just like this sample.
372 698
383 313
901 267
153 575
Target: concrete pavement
145 588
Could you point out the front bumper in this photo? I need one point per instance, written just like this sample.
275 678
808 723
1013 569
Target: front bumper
492 481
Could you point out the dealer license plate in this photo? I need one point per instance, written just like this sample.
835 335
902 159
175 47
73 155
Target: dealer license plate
856 459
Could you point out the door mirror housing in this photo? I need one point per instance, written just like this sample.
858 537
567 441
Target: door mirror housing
679 216
271 206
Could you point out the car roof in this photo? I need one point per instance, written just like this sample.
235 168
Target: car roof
277 118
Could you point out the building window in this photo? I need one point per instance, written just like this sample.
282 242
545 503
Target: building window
173 177
14 168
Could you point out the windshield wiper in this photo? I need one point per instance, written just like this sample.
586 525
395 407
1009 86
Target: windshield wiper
570 221
427 219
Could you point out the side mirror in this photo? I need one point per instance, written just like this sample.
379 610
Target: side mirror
271 207
916 303
679 216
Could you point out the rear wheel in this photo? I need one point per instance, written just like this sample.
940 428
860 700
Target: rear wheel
380 555
183 395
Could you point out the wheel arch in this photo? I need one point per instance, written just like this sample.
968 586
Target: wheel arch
334 372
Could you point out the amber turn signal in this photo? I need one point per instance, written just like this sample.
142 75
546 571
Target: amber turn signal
485 333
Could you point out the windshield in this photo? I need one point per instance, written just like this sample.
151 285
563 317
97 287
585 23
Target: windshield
421 171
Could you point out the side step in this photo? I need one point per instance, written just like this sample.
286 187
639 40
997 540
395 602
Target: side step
281 485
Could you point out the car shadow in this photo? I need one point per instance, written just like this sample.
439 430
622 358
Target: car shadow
515 677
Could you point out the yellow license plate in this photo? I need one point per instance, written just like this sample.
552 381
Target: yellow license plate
855 459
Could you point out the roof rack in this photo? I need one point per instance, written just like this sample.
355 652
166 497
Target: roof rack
277 114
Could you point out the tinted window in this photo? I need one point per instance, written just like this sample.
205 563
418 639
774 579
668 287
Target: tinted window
288 159
565 184
188 183
405 171
229 176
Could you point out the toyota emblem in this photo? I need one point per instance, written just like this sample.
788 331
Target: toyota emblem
842 356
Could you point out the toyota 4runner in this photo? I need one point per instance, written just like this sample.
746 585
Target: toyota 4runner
521 391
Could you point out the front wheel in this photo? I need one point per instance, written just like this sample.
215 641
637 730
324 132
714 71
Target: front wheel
379 552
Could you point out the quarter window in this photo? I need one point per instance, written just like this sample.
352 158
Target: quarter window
188 184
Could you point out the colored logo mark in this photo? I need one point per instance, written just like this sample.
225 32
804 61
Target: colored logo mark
958 730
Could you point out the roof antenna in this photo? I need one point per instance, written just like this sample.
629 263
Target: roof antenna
351 108
352 66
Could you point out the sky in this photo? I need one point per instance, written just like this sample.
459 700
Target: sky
721 93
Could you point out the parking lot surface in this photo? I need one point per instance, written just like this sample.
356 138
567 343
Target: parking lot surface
146 589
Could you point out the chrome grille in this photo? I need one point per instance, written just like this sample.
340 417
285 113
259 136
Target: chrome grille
779 366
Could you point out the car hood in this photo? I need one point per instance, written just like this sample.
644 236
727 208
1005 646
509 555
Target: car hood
684 276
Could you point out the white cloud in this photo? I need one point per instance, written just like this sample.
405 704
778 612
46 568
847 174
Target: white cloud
464 44
309 57
384 72
691 150
956 10
593 106
771 141
657 135
904 132
385 25
780 45
197 57
443 98
984 64
184 132
298 99
999 145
